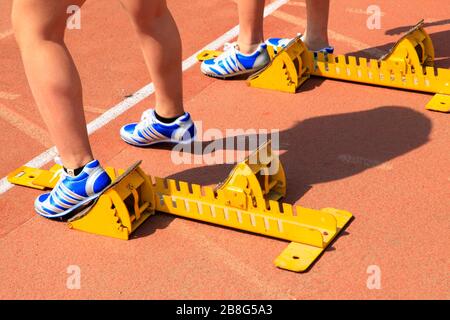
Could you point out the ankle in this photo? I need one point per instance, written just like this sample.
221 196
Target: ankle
165 119
315 43
74 163
167 109
247 48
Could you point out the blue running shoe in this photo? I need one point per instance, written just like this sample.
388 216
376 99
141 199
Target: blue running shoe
233 63
277 43
150 130
73 193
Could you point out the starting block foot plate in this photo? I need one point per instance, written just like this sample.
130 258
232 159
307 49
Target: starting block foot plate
121 209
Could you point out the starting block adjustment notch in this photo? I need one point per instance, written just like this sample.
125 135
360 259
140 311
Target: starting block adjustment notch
380 73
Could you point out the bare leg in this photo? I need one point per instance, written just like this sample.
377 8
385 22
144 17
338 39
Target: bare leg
39 27
161 45
316 35
251 34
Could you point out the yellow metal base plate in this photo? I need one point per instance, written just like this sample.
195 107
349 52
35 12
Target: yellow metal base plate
208 54
298 257
34 177
440 102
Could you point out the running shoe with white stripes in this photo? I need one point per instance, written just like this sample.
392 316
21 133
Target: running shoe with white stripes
73 194
150 130
277 43
233 63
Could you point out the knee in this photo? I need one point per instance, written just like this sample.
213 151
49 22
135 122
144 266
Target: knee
145 14
30 29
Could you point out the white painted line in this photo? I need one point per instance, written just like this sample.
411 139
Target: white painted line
25 126
361 11
94 109
137 97
8 95
297 4
5 34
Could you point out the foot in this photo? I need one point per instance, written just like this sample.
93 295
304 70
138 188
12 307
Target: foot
151 131
317 45
232 62
73 193
277 43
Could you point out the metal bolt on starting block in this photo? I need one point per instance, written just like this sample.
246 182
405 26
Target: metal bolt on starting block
247 200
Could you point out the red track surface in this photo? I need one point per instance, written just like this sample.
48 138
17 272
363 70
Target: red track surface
372 151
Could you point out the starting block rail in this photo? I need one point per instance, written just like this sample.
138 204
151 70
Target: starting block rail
380 73
247 200
408 65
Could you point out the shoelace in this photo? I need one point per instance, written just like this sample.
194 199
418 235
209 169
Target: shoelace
230 45
146 120
230 50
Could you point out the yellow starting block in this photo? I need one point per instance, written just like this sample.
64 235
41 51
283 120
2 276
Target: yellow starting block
408 65
247 200
413 51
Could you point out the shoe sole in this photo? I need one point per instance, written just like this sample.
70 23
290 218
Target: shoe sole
232 75
159 141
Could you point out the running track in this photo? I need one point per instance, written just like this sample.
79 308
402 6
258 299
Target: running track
372 151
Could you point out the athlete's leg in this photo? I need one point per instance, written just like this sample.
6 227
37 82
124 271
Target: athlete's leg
251 18
316 35
251 14
161 45
39 27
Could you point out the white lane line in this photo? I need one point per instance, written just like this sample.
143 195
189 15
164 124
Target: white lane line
5 34
137 97
94 109
297 4
8 95
361 11
25 126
